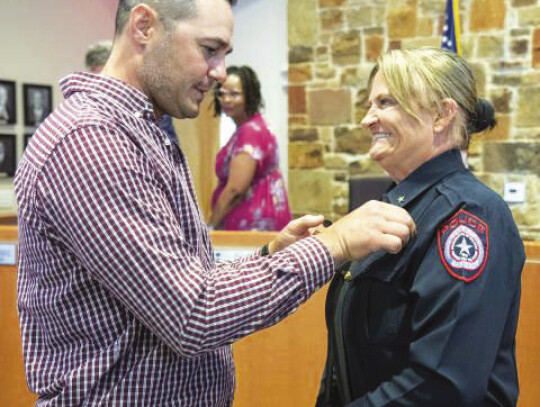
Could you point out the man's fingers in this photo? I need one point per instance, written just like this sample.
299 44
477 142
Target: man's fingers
402 218
306 222
400 230
295 229
374 226
392 243
394 215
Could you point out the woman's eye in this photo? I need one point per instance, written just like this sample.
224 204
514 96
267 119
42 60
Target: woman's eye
387 102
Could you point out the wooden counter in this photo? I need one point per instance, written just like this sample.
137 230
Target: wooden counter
280 366
13 390
8 219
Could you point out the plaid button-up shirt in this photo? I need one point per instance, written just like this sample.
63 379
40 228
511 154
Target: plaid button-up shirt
120 301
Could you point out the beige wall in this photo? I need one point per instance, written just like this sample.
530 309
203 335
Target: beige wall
332 47
42 42
45 40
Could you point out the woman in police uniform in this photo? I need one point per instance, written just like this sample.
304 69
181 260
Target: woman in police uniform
433 325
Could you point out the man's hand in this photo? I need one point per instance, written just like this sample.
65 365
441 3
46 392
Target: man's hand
374 226
295 230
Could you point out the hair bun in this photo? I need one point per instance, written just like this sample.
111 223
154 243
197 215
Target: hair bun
483 117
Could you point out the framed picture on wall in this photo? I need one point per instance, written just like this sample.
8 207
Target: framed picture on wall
37 103
8 104
8 160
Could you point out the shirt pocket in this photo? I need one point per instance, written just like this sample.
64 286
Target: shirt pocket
386 316
376 313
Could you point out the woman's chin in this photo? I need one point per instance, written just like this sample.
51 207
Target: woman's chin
378 151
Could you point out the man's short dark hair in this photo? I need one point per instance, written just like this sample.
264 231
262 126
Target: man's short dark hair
168 10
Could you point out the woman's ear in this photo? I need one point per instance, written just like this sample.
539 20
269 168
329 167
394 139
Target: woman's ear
444 118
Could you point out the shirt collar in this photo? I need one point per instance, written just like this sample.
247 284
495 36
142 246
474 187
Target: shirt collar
110 89
425 176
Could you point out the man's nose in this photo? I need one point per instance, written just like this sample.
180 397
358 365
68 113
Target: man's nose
219 71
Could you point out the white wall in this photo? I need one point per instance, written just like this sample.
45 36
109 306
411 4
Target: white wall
42 42
45 40
260 40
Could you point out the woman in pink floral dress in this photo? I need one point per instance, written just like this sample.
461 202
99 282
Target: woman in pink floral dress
251 194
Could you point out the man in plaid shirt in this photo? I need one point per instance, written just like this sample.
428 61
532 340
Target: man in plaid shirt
120 300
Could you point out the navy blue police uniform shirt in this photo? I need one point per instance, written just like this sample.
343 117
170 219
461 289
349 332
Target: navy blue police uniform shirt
435 324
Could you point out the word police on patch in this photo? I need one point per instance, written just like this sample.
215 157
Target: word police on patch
463 245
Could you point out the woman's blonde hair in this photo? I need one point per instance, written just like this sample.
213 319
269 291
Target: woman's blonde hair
422 78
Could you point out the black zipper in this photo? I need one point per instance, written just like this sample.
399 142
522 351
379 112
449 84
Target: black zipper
341 360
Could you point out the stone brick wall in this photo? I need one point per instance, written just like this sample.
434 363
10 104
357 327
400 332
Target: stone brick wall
332 48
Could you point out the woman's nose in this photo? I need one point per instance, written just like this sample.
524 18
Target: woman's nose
369 119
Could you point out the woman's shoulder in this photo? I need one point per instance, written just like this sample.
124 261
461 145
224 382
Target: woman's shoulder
255 123
463 188
255 127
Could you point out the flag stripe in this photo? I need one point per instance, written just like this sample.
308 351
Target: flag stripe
451 39
457 35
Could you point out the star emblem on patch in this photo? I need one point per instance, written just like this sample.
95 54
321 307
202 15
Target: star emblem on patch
463 245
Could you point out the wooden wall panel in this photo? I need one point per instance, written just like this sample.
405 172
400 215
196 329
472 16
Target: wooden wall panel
282 365
199 139
528 336
13 389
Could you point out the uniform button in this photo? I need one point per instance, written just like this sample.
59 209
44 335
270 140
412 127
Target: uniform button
401 199
348 276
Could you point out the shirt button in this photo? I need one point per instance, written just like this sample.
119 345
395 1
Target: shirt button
138 115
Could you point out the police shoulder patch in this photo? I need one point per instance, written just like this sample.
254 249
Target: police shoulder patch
464 245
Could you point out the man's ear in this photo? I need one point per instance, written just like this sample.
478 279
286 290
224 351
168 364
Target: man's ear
142 23
444 118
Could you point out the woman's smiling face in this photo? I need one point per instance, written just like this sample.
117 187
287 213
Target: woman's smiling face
400 142
232 100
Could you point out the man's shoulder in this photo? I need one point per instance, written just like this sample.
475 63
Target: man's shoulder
87 110
96 100
74 117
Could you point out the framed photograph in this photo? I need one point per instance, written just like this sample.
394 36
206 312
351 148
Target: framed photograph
37 103
8 160
8 105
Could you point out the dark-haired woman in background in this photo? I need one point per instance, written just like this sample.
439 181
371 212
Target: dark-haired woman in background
435 324
251 194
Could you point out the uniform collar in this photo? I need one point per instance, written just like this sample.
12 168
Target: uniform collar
425 176
109 89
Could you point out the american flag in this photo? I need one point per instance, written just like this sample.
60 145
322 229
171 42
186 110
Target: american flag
450 35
